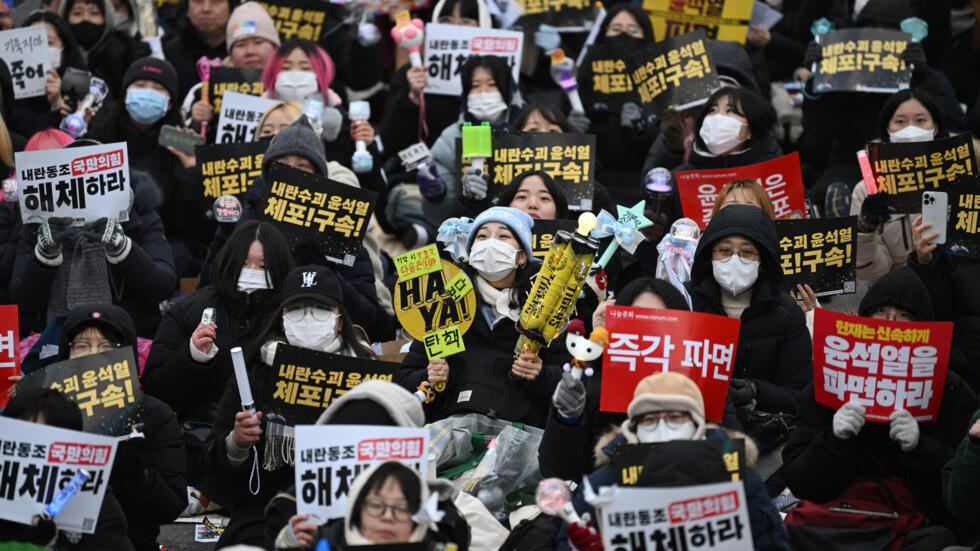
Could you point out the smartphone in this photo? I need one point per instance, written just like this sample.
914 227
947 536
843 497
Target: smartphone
208 316
934 211
181 141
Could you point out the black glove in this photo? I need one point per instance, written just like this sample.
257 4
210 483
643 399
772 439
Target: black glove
875 211
672 127
110 233
50 235
742 392
915 55
814 53
310 251
631 116
129 468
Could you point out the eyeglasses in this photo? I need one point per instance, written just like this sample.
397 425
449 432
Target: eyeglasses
377 509
632 30
881 313
85 347
319 313
673 418
724 253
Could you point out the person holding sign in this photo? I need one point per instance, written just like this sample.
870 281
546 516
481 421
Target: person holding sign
833 452
486 377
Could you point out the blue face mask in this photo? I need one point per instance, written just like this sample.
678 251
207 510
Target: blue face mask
146 106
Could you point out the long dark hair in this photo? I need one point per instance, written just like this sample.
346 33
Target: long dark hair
900 97
497 67
672 298
71 53
57 409
227 265
354 335
561 203
757 111
407 479
467 8
642 19
548 111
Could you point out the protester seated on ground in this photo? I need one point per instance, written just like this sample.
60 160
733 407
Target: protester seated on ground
486 378
961 478
149 474
668 406
832 451
46 406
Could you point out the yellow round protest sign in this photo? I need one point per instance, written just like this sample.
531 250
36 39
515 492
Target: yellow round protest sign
425 304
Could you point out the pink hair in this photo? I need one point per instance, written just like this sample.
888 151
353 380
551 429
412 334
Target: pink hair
322 65
48 139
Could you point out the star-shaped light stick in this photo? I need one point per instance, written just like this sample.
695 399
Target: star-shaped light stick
625 229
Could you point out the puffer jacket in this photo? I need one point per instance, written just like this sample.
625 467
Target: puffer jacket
880 252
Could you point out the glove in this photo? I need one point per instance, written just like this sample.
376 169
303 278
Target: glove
582 535
50 235
309 251
430 183
579 122
848 420
110 233
915 56
875 211
569 396
547 38
742 392
631 116
129 468
904 430
814 53
672 127
475 184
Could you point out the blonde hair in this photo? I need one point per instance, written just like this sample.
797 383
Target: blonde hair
750 187
293 108
6 146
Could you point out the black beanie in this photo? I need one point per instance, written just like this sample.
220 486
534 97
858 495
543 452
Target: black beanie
157 70
901 289
362 412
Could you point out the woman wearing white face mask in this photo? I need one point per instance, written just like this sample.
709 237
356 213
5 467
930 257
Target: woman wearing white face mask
486 378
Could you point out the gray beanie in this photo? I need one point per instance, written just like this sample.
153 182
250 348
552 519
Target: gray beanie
300 139
401 405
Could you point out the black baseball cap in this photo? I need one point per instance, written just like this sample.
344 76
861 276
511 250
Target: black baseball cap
112 321
313 282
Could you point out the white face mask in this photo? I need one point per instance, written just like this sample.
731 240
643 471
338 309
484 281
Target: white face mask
662 431
735 275
305 331
493 259
120 19
296 85
54 57
720 133
250 280
486 106
910 134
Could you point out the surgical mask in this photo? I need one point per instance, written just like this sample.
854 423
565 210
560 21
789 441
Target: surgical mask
486 106
87 33
250 280
296 85
146 106
120 19
493 259
306 331
54 57
910 134
720 133
662 431
734 274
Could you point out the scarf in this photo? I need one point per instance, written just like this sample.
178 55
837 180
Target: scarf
82 278
497 299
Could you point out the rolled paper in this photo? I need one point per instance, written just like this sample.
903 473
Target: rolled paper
241 377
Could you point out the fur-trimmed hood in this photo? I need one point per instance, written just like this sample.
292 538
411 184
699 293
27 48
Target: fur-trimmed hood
603 447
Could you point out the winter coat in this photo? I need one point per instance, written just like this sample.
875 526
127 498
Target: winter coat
818 466
110 532
884 250
961 479
183 50
774 347
400 122
138 283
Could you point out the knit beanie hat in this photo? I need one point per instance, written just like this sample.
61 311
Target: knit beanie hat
300 139
157 70
517 220
667 392
901 289
248 20
401 405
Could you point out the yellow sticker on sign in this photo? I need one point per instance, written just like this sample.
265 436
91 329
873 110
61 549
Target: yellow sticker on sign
459 287
418 262
444 343
423 304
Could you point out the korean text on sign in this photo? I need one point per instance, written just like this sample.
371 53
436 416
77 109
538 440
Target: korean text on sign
314 387
301 22
229 169
882 365
25 51
963 227
448 47
819 252
228 80
904 170
864 60
539 7
9 349
418 262
720 19
668 70
240 116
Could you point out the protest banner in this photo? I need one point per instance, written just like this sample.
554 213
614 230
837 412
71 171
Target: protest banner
9 349
780 178
224 80
229 169
566 14
604 76
963 229
329 457
543 233
643 341
105 386
297 18
706 516
819 252
720 19
418 262
308 206
240 116
862 60
84 183
38 460
629 459
867 361
449 47
904 170
428 311
25 51
676 73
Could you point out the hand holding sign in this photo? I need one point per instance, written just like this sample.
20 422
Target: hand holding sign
50 235
438 371
848 420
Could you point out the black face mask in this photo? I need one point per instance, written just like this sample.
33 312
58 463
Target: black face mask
624 41
87 33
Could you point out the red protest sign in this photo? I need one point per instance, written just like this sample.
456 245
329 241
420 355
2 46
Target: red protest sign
880 364
9 349
643 341
780 177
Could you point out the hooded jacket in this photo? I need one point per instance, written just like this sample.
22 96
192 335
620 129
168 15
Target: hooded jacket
184 49
774 347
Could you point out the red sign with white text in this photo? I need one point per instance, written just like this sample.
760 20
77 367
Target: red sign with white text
643 341
780 177
882 365
9 349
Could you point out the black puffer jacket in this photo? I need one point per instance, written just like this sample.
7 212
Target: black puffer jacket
774 347
184 49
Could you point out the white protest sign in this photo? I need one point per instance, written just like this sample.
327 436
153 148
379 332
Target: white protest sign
329 457
84 183
707 516
37 460
448 47
25 51
239 118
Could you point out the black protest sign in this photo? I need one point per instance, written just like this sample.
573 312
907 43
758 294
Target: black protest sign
557 13
676 73
307 206
297 18
543 233
604 77
229 169
862 60
306 381
904 170
105 387
233 79
819 252
629 460
963 227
